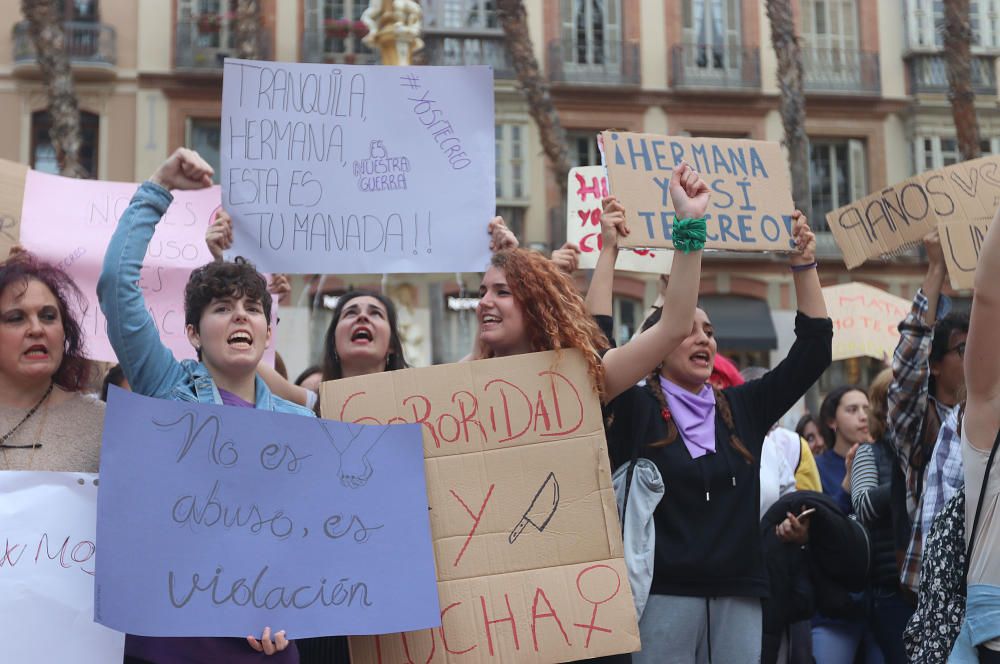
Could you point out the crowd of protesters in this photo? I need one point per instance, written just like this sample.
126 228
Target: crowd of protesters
770 545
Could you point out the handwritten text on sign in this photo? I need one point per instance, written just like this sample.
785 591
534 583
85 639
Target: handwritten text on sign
12 177
750 208
864 320
69 222
959 201
526 535
47 569
358 169
217 521
587 186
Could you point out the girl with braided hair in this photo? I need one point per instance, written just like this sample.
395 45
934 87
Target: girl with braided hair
708 574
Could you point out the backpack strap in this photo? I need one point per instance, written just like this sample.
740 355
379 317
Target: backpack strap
979 506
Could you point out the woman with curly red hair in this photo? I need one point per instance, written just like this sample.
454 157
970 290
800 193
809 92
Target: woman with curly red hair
527 304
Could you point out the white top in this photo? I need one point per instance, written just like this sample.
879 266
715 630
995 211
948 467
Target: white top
776 477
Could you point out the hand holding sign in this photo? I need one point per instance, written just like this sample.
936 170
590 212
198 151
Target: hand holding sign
567 257
613 223
805 240
219 236
501 237
184 169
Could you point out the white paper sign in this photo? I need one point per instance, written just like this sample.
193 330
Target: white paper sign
358 169
47 554
587 185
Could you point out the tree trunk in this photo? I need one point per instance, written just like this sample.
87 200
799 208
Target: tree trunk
248 30
515 30
793 101
46 30
958 58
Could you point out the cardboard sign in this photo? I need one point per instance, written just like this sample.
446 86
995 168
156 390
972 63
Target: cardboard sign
864 320
12 177
69 222
355 169
959 201
587 185
47 570
750 208
526 533
218 521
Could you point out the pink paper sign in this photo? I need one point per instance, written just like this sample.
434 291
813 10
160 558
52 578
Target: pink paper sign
69 222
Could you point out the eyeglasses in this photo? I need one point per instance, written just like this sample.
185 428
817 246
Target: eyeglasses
959 348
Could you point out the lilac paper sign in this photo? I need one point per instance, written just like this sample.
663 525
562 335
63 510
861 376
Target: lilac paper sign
219 521
358 169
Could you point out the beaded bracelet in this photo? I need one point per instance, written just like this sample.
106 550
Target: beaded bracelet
803 268
689 234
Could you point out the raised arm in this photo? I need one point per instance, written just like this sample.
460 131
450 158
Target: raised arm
982 355
626 365
805 276
148 364
600 293
907 398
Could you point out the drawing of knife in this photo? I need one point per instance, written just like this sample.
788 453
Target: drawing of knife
541 510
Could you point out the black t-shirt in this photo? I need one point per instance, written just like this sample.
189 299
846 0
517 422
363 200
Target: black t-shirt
707 532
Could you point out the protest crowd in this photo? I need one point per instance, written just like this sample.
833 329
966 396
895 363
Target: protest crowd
867 535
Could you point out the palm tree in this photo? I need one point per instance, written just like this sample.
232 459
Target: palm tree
958 57
248 29
793 100
46 31
514 20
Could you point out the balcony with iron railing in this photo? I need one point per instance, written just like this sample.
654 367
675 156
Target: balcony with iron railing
468 47
337 41
707 67
204 41
611 63
929 75
92 50
840 71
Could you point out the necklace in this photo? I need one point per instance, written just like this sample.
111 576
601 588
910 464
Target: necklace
34 446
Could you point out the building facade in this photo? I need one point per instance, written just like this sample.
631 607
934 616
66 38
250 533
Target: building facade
149 78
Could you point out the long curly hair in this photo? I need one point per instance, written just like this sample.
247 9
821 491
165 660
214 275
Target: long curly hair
556 315
73 372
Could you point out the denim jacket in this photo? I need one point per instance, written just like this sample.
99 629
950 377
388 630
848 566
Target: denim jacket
982 623
149 366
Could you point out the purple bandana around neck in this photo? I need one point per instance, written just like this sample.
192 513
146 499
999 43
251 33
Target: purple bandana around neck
694 415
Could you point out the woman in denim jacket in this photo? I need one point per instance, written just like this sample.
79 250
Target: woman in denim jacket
227 314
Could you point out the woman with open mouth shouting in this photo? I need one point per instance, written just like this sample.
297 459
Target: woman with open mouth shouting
708 573
227 319
46 423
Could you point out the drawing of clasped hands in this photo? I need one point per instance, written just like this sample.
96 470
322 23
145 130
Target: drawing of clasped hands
355 469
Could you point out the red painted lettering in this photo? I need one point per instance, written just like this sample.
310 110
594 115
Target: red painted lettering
592 626
541 411
535 615
476 518
422 418
511 434
406 647
510 618
598 189
360 420
470 417
556 403
444 640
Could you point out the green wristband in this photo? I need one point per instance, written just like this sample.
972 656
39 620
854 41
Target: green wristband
689 234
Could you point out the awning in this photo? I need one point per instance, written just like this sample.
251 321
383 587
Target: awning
741 323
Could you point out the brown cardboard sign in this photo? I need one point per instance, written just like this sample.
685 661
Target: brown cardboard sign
12 175
526 533
864 320
750 208
959 200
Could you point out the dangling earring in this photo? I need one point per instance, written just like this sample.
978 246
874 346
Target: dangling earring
388 359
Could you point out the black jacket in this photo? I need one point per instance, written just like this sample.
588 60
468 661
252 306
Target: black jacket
817 577
707 539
